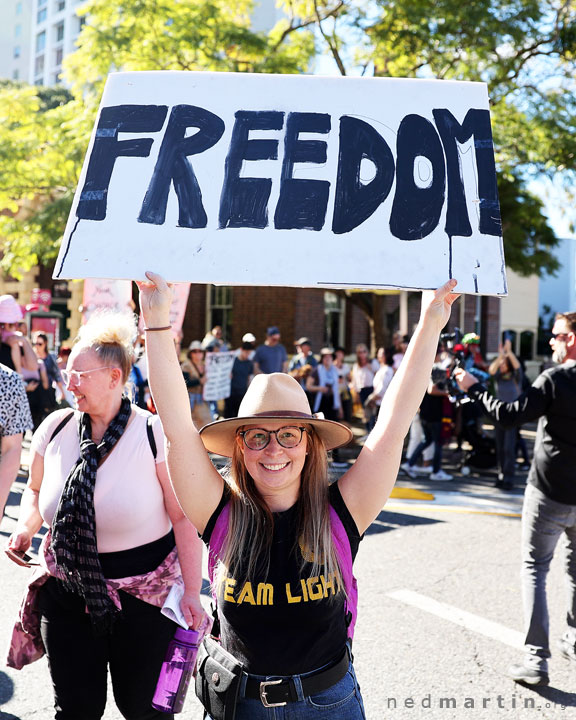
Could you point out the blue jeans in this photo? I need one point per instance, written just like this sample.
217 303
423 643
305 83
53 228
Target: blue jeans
543 522
342 701
432 434
506 450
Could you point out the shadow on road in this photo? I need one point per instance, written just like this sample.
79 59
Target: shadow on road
6 691
556 696
391 521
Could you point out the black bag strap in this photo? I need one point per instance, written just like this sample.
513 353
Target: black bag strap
151 438
149 431
65 420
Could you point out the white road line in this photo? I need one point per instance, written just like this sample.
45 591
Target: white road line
477 624
463 501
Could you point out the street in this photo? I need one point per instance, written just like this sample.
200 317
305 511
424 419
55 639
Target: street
440 614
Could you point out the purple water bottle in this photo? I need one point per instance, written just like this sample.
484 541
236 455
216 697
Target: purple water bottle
176 671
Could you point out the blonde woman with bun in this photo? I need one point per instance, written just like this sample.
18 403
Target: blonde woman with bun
118 539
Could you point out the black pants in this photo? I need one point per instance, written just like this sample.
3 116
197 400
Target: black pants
78 660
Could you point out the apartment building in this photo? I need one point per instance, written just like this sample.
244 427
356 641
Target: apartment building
35 36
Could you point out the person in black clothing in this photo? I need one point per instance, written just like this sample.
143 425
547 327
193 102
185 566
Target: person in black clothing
550 500
431 414
242 372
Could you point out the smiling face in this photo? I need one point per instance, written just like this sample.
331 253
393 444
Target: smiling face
276 470
92 390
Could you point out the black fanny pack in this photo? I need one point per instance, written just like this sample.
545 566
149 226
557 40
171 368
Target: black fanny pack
218 676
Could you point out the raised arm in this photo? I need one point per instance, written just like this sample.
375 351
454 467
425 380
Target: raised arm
509 353
495 364
197 484
367 485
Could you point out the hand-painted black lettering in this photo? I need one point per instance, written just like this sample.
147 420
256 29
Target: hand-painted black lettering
173 166
457 221
355 201
244 201
302 203
416 210
107 147
476 124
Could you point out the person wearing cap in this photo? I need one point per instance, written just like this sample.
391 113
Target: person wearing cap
302 364
16 352
213 340
275 615
304 356
474 359
248 339
271 356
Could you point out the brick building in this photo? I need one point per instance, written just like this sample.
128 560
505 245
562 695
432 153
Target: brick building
326 317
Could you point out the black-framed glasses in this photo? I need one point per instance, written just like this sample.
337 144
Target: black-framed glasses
561 336
258 438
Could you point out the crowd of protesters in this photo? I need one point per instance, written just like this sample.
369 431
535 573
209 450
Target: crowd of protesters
340 385
109 389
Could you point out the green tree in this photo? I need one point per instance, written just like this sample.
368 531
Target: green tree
524 49
44 132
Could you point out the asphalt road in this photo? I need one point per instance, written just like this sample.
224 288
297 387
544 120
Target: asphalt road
440 614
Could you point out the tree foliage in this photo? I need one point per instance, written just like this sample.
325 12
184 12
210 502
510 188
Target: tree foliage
524 49
44 132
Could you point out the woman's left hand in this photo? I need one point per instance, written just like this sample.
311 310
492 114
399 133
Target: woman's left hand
437 304
192 609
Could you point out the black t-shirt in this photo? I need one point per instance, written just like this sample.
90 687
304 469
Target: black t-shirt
432 408
241 371
6 355
551 400
288 622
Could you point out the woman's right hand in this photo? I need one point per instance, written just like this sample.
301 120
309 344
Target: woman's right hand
155 300
19 540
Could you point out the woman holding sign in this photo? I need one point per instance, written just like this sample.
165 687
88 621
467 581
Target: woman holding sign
281 539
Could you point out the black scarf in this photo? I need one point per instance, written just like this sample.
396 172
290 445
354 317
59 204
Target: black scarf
74 525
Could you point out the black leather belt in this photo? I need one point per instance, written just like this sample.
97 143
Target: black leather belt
274 693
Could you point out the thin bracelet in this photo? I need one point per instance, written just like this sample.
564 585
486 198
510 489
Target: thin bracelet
166 327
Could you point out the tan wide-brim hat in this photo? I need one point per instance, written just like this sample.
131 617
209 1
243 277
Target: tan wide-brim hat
270 398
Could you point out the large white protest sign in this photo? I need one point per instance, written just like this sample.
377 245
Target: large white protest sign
242 179
218 375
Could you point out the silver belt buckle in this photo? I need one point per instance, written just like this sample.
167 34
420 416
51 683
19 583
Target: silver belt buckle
263 698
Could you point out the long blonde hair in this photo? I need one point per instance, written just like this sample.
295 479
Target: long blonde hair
251 524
